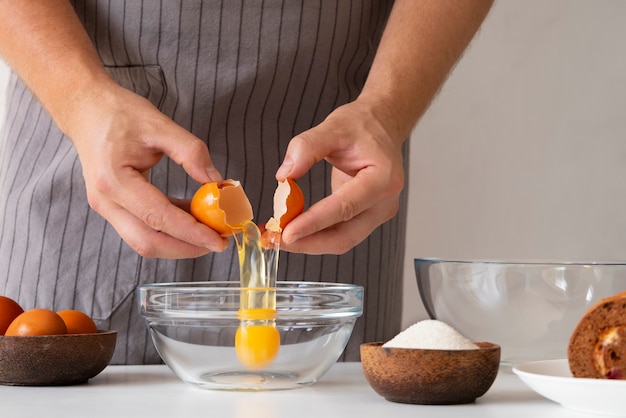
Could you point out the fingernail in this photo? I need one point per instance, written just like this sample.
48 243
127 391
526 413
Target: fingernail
215 248
213 174
289 238
284 169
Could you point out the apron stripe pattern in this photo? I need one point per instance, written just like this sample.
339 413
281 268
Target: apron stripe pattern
243 76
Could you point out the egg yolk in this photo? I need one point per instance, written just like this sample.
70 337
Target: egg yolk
224 207
257 345
257 340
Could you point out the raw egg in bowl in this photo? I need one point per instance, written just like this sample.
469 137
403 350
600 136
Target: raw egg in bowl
225 207
195 326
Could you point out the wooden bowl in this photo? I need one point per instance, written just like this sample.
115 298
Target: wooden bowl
430 377
54 359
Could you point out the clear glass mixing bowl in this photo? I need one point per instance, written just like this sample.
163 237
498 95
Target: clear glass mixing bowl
529 308
193 327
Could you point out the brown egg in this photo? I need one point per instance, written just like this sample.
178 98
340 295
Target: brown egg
37 322
9 310
77 322
223 206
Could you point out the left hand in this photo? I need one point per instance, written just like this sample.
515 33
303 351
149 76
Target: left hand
367 178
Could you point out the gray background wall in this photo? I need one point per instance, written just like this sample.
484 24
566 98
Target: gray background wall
522 155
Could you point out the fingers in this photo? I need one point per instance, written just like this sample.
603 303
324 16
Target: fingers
367 178
353 197
341 237
186 150
347 216
153 226
117 149
302 153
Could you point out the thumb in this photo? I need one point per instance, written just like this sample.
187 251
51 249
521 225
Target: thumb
303 151
190 152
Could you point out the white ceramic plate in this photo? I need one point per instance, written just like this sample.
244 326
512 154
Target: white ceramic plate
553 380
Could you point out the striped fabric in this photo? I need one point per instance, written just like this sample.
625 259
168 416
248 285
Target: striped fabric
245 78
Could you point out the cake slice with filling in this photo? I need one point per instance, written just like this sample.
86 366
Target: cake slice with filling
597 347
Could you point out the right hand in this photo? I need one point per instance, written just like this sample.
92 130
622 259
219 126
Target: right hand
119 137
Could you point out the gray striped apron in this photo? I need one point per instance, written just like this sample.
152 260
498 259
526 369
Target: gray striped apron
244 77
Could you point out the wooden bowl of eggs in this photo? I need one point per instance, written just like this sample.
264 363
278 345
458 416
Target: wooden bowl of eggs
54 360
456 374
39 347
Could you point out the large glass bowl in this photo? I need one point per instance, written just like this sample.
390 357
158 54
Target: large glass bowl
529 308
193 327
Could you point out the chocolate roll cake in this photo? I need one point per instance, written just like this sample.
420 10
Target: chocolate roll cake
597 347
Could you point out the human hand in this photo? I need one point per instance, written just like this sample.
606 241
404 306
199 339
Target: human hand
119 137
367 178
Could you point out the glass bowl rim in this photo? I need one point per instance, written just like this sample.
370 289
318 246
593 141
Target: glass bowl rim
154 312
521 262
282 285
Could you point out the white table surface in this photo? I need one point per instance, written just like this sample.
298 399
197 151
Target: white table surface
154 391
